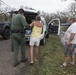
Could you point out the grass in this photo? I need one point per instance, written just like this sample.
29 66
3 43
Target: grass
64 28
50 58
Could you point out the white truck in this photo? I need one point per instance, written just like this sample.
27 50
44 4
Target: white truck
30 17
44 34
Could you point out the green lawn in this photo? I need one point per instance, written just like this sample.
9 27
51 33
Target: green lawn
50 58
64 28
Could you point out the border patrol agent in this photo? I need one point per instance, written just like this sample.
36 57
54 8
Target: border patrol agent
18 36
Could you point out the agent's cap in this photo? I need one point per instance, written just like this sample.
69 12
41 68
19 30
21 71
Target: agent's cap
21 11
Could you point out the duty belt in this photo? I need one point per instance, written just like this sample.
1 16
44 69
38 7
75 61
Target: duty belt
17 31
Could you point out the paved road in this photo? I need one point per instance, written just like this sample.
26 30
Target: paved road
6 60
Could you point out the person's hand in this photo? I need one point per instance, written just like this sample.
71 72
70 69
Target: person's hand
68 43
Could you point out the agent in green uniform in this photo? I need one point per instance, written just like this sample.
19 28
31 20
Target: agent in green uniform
18 37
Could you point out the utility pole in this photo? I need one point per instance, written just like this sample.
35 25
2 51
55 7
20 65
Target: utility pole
2 9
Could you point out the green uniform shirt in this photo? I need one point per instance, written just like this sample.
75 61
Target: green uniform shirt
19 22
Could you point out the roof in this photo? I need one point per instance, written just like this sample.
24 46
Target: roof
28 13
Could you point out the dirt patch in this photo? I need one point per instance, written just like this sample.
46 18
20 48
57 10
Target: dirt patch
6 60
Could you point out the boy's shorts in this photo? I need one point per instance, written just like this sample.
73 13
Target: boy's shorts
34 41
69 49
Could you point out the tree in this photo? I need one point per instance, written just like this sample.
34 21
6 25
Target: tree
72 9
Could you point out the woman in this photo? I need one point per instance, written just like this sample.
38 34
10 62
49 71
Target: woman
35 37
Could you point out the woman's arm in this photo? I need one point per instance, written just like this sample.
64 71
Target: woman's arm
32 24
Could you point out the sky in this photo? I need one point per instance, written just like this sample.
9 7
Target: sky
48 6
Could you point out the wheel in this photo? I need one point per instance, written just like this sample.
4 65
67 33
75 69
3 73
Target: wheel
6 34
42 42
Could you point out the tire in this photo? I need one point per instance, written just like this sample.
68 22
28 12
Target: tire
6 34
42 42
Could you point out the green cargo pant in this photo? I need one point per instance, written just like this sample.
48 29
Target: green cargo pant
12 47
18 40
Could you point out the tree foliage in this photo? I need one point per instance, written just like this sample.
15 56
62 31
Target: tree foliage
63 16
72 9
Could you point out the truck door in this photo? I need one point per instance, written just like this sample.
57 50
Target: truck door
54 26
